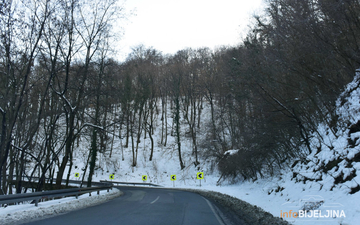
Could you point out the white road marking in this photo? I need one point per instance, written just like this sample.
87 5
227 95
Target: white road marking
213 210
155 200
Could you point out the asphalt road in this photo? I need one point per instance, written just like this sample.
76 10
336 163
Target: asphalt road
148 206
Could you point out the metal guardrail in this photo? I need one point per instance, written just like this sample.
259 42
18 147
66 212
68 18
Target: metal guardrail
130 183
69 181
79 182
36 196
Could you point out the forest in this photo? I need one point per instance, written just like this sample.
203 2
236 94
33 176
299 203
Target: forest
60 82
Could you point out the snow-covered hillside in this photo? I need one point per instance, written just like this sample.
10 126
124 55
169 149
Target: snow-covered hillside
164 164
323 187
326 180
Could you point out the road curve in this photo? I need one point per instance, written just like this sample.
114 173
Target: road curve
148 206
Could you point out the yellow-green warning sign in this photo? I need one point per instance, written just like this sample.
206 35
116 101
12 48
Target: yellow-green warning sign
77 174
200 175
173 177
112 176
144 177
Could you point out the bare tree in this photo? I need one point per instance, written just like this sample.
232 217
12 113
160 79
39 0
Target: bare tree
20 50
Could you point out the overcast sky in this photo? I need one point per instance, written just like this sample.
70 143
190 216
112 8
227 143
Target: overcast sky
172 25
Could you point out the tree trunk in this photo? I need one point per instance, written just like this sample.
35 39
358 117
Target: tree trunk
166 124
138 134
93 152
177 129
151 133
70 168
68 147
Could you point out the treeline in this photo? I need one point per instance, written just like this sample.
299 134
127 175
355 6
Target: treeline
284 80
54 64
60 85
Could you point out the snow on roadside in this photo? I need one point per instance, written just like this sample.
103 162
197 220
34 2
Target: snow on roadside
16 214
291 198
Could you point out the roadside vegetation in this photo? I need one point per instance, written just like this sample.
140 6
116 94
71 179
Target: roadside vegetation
60 84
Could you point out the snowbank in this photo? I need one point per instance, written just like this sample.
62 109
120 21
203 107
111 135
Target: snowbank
27 212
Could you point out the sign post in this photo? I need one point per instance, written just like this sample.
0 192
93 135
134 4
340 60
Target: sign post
144 178
77 175
111 176
200 176
173 178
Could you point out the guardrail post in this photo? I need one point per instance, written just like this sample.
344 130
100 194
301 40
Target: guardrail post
36 202
98 192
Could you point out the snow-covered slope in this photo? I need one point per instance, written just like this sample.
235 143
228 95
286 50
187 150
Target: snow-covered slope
335 163
326 181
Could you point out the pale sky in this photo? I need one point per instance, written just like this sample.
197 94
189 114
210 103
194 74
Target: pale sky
172 25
